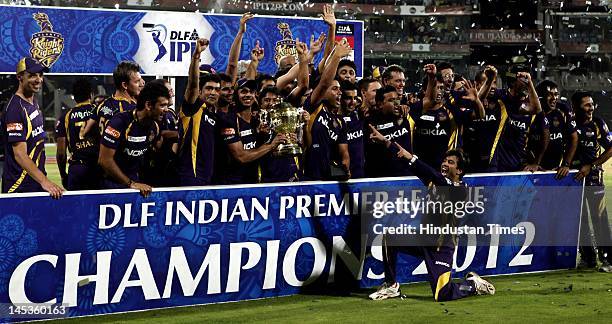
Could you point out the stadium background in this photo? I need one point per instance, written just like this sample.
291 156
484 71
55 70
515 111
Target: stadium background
569 42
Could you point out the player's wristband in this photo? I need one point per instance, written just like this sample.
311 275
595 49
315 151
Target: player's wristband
414 158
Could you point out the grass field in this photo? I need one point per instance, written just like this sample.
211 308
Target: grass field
569 296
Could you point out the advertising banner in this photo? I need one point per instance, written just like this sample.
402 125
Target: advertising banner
86 41
115 251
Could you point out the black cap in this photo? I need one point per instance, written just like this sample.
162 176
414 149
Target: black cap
244 83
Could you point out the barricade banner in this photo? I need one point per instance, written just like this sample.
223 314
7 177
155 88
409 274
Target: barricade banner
115 251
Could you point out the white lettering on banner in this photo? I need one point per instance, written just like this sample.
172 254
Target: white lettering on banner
143 277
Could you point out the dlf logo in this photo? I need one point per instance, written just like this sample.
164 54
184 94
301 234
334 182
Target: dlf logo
181 42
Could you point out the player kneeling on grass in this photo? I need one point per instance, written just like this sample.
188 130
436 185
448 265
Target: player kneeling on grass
129 135
437 252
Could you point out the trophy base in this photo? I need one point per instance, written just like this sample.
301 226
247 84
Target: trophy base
287 150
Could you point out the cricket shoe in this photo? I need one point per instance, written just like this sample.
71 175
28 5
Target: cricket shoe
386 291
482 286
605 267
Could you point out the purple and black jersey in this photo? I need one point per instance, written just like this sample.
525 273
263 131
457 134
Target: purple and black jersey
197 133
593 139
69 125
479 135
109 108
381 161
130 139
509 151
436 132
561 127
279 169
356 143
234 129
538 129
323 134
24 122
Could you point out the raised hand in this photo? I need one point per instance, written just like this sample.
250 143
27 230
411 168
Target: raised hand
328 15
342 48
316 45
302 50
257 53
430 70
243 20
490 72
470 89
201 45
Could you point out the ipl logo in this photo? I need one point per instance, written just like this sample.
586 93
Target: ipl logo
46 45
286 46
159 33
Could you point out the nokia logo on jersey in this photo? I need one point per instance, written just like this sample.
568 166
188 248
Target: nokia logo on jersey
135 153
587 143
80 114
209 120
517 123
432 132
396 134
37 131
487 118
556 136
248 146
325 123
354 135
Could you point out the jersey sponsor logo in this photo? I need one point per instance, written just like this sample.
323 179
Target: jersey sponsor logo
589 133
347 119
428 118
443 264
135 153
228 131
112 132
106 110
517 123
246 132
432 132
487 118
397 133
354 135
34 114
556 136
209 120
80 114
137 139
109 139
14 127
325 123
249 146
384 126
38 130
15 134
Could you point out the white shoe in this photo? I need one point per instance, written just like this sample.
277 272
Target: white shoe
605 267
483 287
386 291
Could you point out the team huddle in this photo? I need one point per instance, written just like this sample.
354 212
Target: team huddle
351 129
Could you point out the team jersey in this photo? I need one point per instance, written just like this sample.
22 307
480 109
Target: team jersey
561 127
538 128
109 108
23 122
234 129
593 139
279 169
160 165
356 142
380 161
509 150
131 140
197 131
83 150
323 134
436 131
479 134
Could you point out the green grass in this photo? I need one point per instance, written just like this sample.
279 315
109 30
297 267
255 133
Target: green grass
530 298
